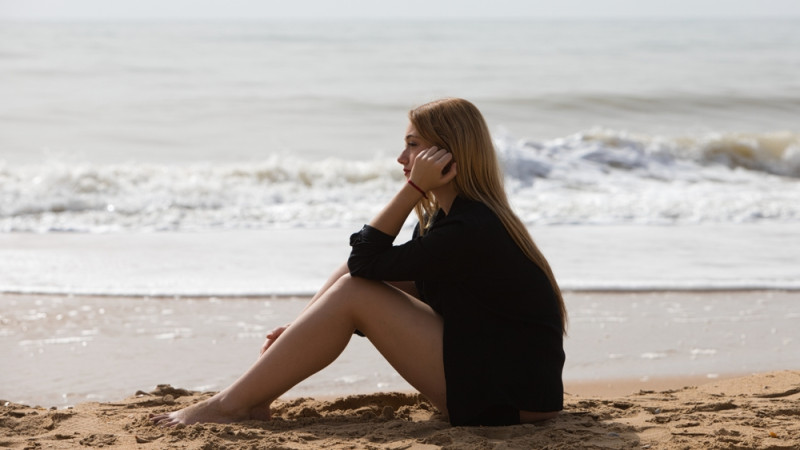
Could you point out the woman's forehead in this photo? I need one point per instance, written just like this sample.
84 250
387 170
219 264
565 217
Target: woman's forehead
411 132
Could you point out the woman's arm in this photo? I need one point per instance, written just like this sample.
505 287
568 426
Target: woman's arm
273 335
426 173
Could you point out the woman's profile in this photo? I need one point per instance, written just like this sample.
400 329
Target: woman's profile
467 311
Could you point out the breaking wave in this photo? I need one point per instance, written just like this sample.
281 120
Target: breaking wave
598 176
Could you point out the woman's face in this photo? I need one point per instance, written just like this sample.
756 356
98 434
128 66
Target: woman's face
414 144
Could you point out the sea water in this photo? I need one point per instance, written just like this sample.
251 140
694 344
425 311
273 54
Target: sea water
234 159
182 127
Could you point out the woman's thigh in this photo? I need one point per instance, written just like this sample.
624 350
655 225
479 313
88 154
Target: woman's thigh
406 331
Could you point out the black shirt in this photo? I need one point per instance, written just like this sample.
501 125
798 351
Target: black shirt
503 345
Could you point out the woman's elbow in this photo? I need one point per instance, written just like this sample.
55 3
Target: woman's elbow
356 267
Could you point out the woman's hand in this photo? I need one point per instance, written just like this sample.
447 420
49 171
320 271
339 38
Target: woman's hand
272 336
426 174
426 171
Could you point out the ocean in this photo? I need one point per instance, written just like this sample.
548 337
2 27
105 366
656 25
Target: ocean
234 159
213 132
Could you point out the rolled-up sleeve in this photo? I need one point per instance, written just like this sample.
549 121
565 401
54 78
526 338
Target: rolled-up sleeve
371 235
438 253
368 243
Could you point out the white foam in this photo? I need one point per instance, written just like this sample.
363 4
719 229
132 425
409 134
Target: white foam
653 355
595 177
611 177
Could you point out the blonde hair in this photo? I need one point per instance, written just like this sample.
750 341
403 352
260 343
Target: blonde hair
457 126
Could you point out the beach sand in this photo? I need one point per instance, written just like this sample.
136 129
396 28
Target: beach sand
759 411
631 357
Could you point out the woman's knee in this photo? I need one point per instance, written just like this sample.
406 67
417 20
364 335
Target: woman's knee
349 284
361 297
348 289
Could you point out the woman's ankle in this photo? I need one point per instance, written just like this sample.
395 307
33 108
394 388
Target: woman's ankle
229 406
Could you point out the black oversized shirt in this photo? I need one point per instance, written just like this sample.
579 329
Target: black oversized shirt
503 346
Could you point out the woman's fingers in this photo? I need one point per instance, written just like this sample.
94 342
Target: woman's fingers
277 332
267 344
271 337
451 173
433 153
430 168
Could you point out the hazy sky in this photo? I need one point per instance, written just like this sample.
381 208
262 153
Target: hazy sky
407 9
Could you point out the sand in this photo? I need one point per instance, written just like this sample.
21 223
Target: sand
760 411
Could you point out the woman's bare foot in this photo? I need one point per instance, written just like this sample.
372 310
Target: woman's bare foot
261 412
207 411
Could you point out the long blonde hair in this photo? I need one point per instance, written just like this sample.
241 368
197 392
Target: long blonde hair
457 126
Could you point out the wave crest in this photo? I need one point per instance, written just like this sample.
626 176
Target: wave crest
770 153
598 176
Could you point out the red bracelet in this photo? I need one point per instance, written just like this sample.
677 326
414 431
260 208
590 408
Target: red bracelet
418 188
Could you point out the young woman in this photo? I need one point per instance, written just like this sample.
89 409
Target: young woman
468 311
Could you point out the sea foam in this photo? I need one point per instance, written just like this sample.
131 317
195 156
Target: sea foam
598 176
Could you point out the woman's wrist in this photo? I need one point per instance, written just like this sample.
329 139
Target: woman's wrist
419 189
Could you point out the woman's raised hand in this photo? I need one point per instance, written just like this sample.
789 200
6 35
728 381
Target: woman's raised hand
272 336
428 170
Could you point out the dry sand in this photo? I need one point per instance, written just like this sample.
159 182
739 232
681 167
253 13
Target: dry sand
760 411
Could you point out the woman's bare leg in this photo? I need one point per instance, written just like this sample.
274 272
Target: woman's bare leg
406 286
406 331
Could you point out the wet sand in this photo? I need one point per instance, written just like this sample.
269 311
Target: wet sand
67 350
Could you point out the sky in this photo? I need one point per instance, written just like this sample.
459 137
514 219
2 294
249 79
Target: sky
376 9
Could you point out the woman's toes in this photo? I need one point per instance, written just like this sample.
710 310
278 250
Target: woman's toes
162 420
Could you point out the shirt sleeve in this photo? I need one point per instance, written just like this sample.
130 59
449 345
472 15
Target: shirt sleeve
442 252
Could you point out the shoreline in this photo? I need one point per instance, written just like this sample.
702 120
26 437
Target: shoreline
308 295
758 411
68 350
